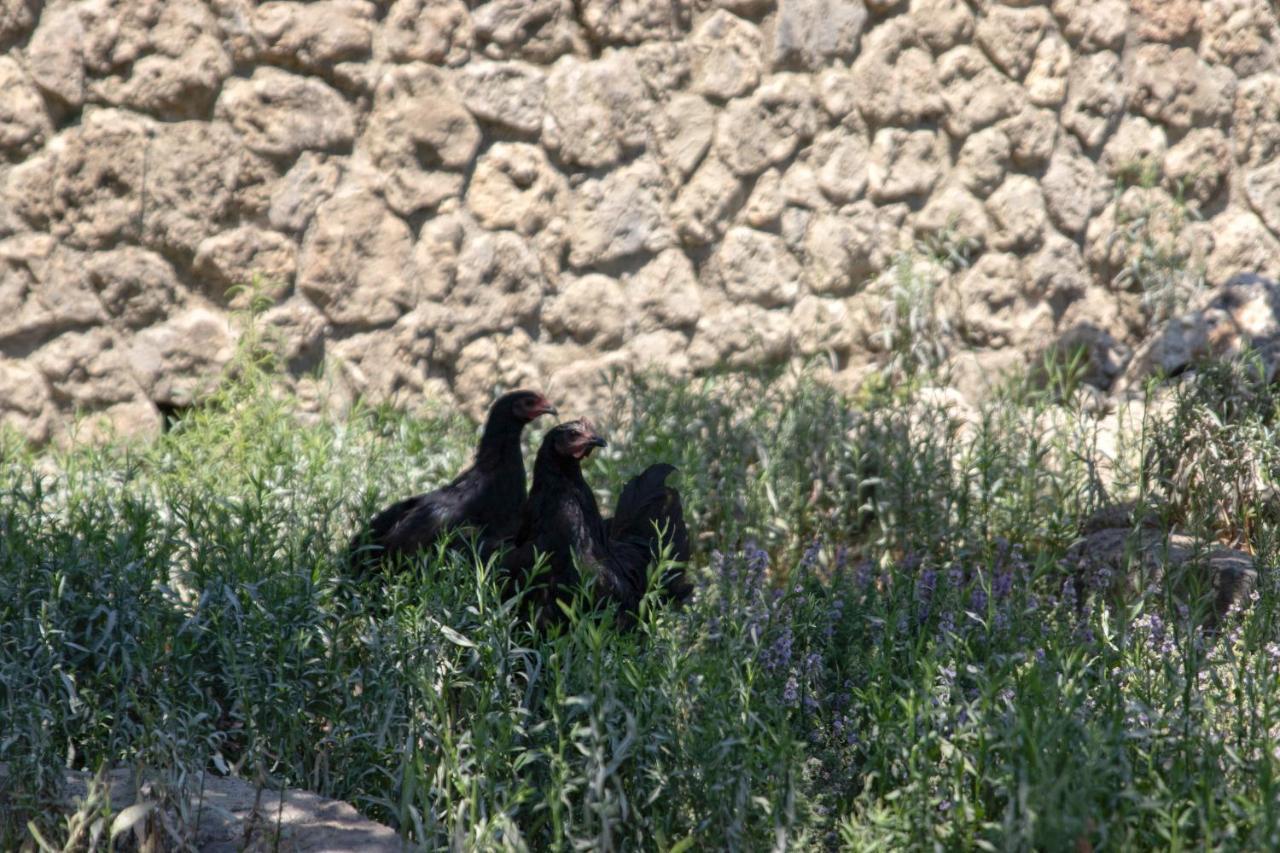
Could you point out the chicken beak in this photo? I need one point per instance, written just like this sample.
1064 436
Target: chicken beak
548 409
597 441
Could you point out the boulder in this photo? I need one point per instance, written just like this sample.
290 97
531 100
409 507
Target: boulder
137 287
740 336
44 291
905 164
295 197
725 58
515 186
591 309
24 124
247 255
508 94
665 292
767 127
1074 188
1017 211
706 203
942 24
896 77
1178 89
316 35
631 21
810 34
1165 20
181 359
1095 97
426 31
1093 25
596 110
1240 34
755 266
280 115
1010 35
536 30
55 56
975 94
620 215
25 404
683 130
1198 165
843 252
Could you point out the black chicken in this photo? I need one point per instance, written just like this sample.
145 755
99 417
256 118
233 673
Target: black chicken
562 520
487 496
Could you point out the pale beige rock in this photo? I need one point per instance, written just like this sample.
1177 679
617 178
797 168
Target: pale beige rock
895 77
1093 24
178 361
389 365
765 128
489 366
281 114
294 199
661 350
591 309
842 252
1178 89
248 256
1137 146
800 187
765 205
537 30
1256 125
1262 188
297 331
24 124
983 161
837 92
954 211
356 262
43 291
314 35
822 326
665 291
1198 165
515 186
619 215
1010 36
844 157
664 65
683 131
942 24
1241 244
811 33
192 169
55 55
702 208
435 31
509 94
1165 20
1074 187
1057 272
1095 97
1241 34
1046 80
420 136
1018 213
992 308
632 21
975 94
905 164
136 287
170 87
725 56
25 404
597 111
755 266
740 336
1033 134
16 19
87 370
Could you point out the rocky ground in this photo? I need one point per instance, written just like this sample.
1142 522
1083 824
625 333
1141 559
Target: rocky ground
441 197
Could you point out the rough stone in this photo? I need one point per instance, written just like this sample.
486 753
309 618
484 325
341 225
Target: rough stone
1074 188
43 291
954 211
537 30
1240 34
821 326
191 171
837 92
765 205
905 164
631 21
509 94
1093 24
704 205
619 215
487 365
843 173
1178 89
180 359
314 36
389 365
281 114
1256 126
1095 97
435 31
171 87
1241 244
1046 80
1018 212
1262 188
356 262
597 110
1032 134
811 33
983 161
665 292
1137 147
137 287
294 200
992 308
1165 20
1010 36
25 404
739 337
605 325
755 266
1198 165
725 56
942 24
843 252
55 56
515 186
247 255
87 369
975 93
756 132
683 131
24 124
420 136
896 77
16 20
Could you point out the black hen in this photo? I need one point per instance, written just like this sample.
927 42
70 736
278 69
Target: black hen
562 520
487 496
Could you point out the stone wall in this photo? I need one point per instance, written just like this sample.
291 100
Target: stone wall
441 197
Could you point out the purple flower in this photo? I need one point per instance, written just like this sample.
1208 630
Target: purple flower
810 557
812 663
978 599
1002 586
862 575
791 692
1002 620
757 558
955 576
946 624
1069 594
779 655
927 584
